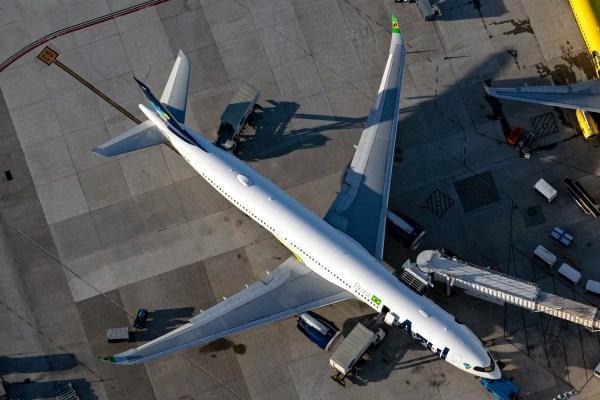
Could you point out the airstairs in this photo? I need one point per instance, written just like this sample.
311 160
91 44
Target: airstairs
501 288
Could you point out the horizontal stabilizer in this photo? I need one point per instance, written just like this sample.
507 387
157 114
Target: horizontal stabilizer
144 135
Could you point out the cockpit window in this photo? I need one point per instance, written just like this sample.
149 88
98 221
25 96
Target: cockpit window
489 368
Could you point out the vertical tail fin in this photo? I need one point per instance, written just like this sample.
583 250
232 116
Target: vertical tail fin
174 96
171 108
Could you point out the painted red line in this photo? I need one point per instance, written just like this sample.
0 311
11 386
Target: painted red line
77 27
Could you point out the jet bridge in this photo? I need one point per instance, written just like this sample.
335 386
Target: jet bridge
501 288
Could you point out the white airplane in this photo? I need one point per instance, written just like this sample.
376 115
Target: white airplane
337 258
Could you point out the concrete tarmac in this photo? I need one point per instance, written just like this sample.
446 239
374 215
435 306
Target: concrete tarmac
143 230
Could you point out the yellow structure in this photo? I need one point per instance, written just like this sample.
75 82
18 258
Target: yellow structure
587 15
587 124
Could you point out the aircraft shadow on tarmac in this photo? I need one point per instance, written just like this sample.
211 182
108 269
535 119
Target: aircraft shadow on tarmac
537 336
31 364
272 137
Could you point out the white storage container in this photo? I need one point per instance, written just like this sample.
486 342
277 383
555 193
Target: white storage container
592 287
570 273
545 255
544 188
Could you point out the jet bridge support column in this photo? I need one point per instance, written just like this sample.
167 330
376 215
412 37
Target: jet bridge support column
449 283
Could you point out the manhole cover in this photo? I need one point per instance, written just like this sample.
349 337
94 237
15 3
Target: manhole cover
533 216
477 191
544 125
438 203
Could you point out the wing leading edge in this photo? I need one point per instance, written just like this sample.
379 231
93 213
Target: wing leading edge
290 289
583 95
360 208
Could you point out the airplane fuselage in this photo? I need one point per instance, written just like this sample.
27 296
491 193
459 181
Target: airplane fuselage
331 253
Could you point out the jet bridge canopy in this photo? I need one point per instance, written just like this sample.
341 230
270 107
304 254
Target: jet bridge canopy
498 287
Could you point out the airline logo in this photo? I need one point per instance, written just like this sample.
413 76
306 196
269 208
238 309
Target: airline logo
361 291
160 111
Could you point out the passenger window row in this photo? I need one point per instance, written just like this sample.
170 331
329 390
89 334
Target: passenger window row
239 205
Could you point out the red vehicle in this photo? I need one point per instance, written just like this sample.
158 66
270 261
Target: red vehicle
515 135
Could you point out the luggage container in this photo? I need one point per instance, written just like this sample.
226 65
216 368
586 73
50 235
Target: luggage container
569 273
544 188
545 255
114 335
561 236
592 287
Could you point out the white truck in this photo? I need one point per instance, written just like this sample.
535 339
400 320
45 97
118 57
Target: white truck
236 116
352 349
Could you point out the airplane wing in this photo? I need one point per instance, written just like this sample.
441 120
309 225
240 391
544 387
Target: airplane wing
360 208
583 95
290 289
174 96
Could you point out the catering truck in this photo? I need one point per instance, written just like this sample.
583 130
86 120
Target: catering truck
236 115
352 349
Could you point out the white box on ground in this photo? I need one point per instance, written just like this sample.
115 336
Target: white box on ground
570 273
592 287
544 188
545 255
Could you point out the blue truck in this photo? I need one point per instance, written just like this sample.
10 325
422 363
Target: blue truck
502 388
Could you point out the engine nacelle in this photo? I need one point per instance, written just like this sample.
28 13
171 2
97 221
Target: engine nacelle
319 330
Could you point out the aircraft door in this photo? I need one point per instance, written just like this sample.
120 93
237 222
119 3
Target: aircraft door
391 319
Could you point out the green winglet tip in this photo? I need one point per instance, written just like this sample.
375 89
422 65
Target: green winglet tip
395 27
108 358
